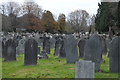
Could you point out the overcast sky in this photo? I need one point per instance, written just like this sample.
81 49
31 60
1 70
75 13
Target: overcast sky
65 6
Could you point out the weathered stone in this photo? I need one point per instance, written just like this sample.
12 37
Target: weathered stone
10 50
57 46
21 47
46 44
1 49
93 51
85 69
62 49
52 42
31 51
81 45
71 49
114 54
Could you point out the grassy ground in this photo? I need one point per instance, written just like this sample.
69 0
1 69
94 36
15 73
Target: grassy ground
50 68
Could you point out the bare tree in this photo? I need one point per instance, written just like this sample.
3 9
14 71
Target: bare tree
91 23
3 8
78 19
32 8
13 8
10 8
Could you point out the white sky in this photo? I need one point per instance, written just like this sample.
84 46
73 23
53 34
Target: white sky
65 6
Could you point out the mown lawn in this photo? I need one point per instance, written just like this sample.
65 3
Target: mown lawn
48 68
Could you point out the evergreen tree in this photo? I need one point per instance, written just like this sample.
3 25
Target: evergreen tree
103 17
119 14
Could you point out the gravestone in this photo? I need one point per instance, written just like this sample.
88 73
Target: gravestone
52 42
31 51
71 49
46 43
1 49
10 50
114 54
81 45
2 54
85 69
37 38
93 51
62 49
104 48
57 46
21 47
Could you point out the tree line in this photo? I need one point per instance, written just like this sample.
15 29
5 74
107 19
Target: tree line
31 16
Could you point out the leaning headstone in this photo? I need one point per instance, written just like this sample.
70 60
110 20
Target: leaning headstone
71 49
114 55
10 50
85 69
31 51
81 45
93 51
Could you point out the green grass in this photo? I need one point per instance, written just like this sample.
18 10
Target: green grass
48 68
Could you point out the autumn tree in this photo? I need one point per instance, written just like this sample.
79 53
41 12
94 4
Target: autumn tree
78 19
48 21
62 22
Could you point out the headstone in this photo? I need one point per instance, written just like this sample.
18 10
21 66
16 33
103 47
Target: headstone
71 49
10 50
62 53
114 54
2 54
52 42
104 48
37 38
85 69
21 47
93 51
57 46
1 49
46 44
81 45
31 51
